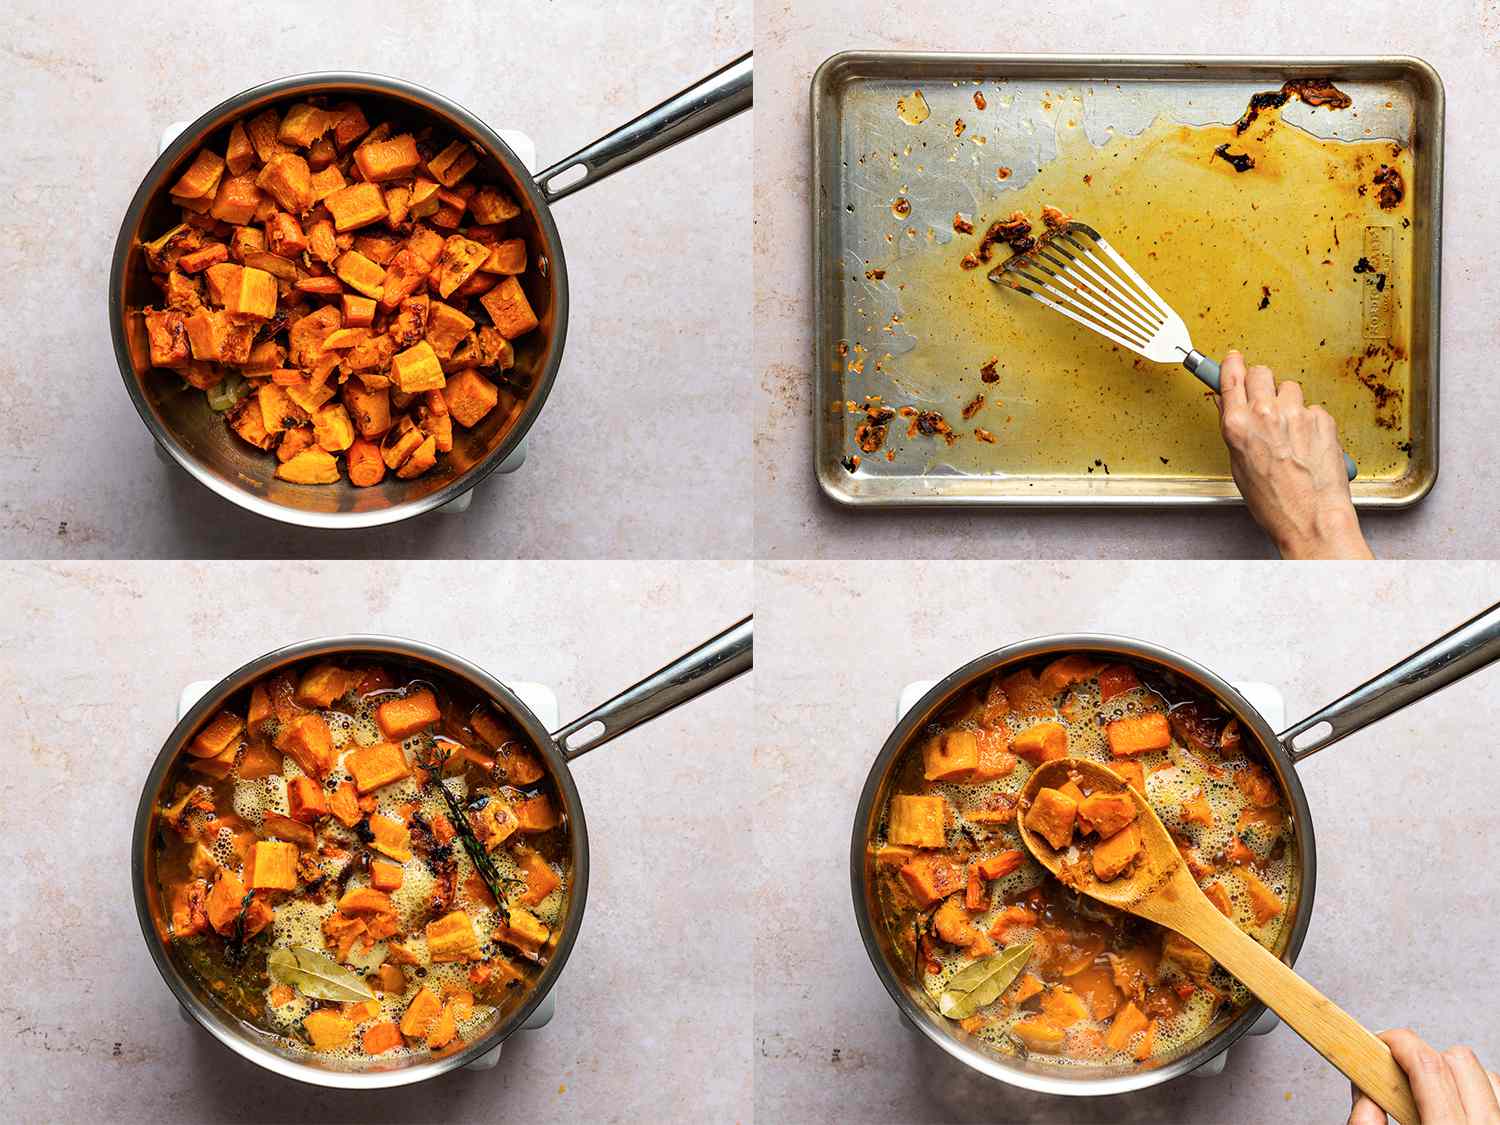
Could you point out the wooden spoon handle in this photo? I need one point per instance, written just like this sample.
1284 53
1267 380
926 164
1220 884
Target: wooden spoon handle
1333 1032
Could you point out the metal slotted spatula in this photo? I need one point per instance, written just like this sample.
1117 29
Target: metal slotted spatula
1074 271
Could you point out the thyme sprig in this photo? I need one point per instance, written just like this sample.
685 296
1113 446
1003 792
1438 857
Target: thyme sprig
432 761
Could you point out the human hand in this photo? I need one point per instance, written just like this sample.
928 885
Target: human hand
1288 464
1451 1088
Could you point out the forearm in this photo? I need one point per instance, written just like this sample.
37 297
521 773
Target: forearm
1332 533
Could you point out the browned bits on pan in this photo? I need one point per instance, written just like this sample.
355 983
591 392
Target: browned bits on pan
973 407
1310 91
1002 173
1054 218
988 372
1392 187
1014 231
930 423
958 126
984 435
969 261
850 462
870 434
962 226
901 207
874 274
979 102
1239 161
1265 297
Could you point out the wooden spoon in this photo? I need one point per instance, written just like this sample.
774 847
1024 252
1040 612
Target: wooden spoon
1160 888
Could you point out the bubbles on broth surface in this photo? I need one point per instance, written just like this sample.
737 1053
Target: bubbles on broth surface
1174 776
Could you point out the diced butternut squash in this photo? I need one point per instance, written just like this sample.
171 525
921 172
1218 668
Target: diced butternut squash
536 814
1096 986
920 821
327 1029
417 369
1039 1035
1044 742
932 877
278 827
1065 672
227 899
523 930
452 938
998 866
377 765
507 256
305 799
259 760
541 880
1138 734
388 160
1064 1007
460 259
307 739
355 206
366 900
1112 856
360 274
470 396
1023 990
385 876
951 922
443 1029
1128 1021
404 716
420 1013
272 866
201 179
391 837
1107 813
1197 811
1217 895
322 684
952 755
1257 786
380 1038
1264 904
1190 958
1051 816
1133 773
287 179
221 732
343 803
446 327
311 466
510 311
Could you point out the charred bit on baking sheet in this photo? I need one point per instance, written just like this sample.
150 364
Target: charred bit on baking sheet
1265 297
1310 91
1368 370
929 423
1002 173
1239 161
1392 188
869 435
874 274
962 225
1014 231
1363 266
973 407
988 372
959 126
978 100
901 207
984 435
1054 218
850 462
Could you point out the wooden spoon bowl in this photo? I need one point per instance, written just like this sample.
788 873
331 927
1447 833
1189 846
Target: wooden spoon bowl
1159 887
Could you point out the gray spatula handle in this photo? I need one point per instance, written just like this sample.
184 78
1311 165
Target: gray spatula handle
1207 371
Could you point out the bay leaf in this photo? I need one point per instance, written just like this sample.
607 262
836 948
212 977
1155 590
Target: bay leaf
982 982
316 975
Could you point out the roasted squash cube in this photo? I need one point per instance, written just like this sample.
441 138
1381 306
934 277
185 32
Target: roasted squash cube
391 837
1113 855
272 866
364 900
1139 734
1128 1020
310 466
356 206
452 938
377 765
359 273
536 814
446 326
933 877
385 875
523 930
302 125
218 735
1044 742
322 684
951 756
287 179
333 427
469 397
256 296
490 205
509 309
1264 904
404 716
167 332
1051 816
306 738
453 163
417 369
460 259
237 200
1107 813
201 179
420 1013
508 256
305 800
387 160
1063 1007
422 458
917 820
327 1029
343 803
541 880
240 153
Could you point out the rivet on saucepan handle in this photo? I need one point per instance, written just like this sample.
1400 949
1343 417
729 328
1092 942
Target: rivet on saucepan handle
1467 649
712 663
717 98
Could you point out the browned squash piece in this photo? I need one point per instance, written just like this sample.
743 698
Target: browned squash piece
932 877
920 821
1044 742
1051 816
1114 855
1107 812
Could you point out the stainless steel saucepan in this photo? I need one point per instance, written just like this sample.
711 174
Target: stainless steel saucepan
1466 649
197 439
711 664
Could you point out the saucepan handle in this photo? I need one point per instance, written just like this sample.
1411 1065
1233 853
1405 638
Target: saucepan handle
712 663
717 98
1470 647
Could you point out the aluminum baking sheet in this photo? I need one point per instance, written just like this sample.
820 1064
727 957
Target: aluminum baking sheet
1295 261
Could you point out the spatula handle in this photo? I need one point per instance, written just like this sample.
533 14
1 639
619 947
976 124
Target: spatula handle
1207 371
1331 1031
